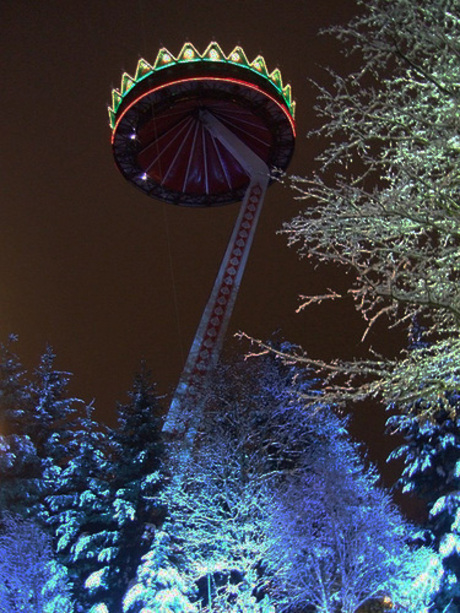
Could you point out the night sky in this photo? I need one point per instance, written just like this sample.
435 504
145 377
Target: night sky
94 267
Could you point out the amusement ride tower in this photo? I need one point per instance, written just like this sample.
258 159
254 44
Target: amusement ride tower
202 130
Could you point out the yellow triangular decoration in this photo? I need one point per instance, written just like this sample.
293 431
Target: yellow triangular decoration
259 66
188 53
214 52
116 99
143 68
111 117
126 83
287 93
275 77
164 58
238 56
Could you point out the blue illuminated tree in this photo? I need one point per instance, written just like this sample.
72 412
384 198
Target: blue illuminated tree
211 549
341 543
79 506
275 496
431 455
31 579
21 469
136 513
159 585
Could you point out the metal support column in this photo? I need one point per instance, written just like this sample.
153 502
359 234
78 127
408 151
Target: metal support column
186 408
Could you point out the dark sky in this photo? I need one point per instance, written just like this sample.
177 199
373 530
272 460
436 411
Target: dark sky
94 267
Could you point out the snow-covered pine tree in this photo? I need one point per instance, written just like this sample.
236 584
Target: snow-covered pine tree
39 419
159 586
21 476
79 507
137 451
22 470
431 455
53 465
54 415
14 392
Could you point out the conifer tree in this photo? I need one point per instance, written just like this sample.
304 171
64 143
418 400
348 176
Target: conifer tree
136 514
431 455
53 415
14 392
21 476
53 461
80 513
160 586
22 468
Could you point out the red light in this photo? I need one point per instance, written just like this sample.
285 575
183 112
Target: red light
225 80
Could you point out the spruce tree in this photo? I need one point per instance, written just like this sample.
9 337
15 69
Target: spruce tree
54 415
431 455
79 506
136 514
22 469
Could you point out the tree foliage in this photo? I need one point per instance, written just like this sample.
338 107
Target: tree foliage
274 501
384 201
342 542
132 508
431 456
231 532
31 579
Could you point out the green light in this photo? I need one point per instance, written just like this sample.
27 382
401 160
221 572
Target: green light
143 69
276 78
189 53
126 83
260 66
238 56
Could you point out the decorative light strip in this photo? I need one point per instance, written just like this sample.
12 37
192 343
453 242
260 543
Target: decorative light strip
117 120
187 54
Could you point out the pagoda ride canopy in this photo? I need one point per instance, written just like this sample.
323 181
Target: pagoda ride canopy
160 140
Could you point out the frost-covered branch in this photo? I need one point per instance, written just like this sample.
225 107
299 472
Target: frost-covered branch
384 203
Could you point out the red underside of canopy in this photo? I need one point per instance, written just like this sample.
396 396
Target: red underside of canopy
179 153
